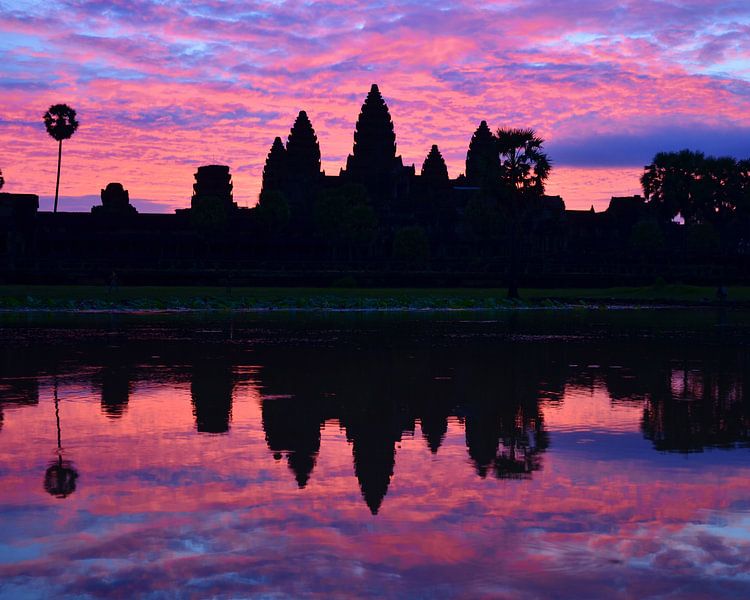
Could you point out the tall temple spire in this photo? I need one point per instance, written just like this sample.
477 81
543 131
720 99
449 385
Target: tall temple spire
433 169
275 170
482 159
302 168
374 139
303 150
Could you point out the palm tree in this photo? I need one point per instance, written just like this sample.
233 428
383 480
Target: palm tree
61 124
524 168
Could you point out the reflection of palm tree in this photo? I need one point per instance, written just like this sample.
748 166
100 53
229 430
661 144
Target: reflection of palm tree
61 124
60 477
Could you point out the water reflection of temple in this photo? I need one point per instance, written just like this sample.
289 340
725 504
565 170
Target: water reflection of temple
377 400
18 392
115 384
690 399
211 390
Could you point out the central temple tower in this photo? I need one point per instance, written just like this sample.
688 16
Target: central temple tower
374 139
373 161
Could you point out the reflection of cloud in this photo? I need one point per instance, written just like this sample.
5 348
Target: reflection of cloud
161 88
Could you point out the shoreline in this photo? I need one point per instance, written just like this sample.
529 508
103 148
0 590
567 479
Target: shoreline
186 300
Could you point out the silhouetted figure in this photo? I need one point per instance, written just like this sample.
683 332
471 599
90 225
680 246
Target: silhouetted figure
211 391
2 179
60 122
115 201
61 476
434 170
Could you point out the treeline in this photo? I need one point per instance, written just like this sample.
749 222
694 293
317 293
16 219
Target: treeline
698 188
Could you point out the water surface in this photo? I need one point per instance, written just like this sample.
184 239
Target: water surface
587 454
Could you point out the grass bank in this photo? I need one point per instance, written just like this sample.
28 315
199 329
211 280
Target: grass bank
19 297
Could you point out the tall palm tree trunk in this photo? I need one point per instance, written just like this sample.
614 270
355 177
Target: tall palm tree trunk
57 186
513 266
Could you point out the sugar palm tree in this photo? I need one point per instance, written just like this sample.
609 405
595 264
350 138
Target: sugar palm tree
524 168
61 124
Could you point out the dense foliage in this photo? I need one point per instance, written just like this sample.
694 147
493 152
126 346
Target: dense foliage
699 188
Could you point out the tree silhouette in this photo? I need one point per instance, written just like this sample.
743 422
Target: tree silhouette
669 183
2 179
702 189
720 185
742 206
482 158
523 168
60 122
433 169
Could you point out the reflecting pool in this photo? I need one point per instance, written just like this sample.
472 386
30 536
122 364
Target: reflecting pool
581 453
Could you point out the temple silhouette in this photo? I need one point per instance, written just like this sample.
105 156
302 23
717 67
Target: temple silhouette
378 221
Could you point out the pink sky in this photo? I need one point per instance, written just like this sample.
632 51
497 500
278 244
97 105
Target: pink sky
163 88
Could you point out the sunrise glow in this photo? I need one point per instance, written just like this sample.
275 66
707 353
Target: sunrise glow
161 88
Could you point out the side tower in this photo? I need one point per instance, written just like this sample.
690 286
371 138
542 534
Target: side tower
213 185
303 175
373 161
482 163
